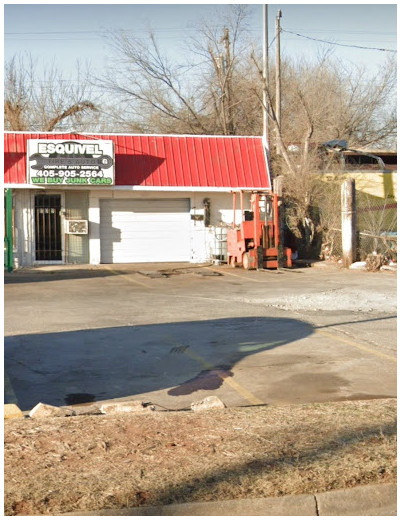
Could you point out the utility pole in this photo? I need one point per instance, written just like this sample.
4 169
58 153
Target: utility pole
228 76
266 81
278 74
349 243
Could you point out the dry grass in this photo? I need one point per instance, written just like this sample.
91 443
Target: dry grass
86 463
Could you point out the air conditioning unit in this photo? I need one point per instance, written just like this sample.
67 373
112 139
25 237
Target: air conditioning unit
76 227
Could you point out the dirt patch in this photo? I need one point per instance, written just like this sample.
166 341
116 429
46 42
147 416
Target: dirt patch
351 299
96 462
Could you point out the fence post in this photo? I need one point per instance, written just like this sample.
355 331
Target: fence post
278 190
349 240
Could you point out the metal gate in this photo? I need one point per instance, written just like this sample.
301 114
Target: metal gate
48 227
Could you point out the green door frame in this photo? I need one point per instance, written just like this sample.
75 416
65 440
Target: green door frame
8 239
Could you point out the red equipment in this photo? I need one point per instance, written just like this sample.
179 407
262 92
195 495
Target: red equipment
254 243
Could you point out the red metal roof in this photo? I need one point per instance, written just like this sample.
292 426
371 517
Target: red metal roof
163 161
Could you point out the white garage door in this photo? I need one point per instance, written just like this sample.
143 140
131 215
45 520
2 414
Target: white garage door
144 230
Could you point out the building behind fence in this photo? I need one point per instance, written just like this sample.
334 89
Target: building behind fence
376 209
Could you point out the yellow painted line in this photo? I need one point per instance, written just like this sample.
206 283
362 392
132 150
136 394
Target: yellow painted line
250 397
357 345
128 277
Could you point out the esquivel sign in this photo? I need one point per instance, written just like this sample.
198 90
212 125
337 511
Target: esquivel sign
59 162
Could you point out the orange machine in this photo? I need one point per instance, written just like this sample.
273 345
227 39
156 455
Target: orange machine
254 243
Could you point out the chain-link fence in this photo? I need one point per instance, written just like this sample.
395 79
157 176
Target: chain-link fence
376 224
331 224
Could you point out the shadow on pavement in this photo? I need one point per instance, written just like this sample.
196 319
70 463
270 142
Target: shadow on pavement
31 275
88 271
357 321
101 364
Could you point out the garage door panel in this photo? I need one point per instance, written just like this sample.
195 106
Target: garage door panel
145 230
144 252
148 206
154 232
146 218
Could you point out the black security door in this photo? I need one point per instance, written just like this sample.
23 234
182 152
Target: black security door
48 227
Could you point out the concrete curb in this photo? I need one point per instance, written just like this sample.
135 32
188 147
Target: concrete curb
367 500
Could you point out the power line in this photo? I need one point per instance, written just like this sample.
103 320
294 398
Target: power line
32 36
340 44
51 32
37 37
51 39
190 29
343 31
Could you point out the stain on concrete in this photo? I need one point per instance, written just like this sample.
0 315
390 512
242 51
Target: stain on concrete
75 398
179 349
309 385
209 273
209 380
154 274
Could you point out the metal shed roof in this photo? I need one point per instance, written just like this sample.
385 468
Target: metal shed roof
162 161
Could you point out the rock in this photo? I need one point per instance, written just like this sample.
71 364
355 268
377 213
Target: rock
211 402
358 265
388 268
87 410
12 411
42 410
118 407
374 261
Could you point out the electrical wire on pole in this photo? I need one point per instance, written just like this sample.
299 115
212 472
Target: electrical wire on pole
278 75
266 81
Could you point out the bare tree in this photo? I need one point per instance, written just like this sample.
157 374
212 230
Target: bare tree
323 101
200 97
45 102
368 115
16 95
224 49
220 92
141 74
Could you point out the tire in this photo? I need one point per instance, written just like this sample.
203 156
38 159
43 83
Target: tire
246 261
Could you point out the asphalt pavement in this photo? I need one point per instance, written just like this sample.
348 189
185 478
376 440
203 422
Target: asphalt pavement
172 335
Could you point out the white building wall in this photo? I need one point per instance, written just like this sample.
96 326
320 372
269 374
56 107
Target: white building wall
24 228
202 237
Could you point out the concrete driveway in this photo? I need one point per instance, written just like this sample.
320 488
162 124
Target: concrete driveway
173 334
